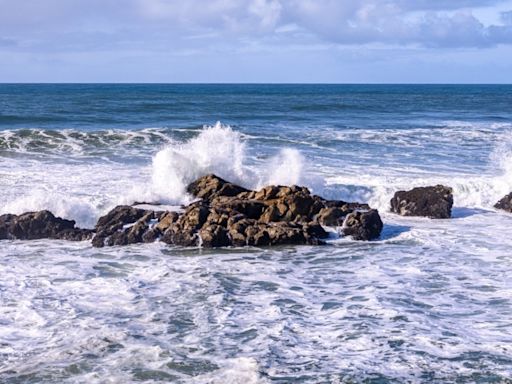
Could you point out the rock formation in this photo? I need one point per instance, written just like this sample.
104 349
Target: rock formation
40 225
227 214
505 203
434 202
224 215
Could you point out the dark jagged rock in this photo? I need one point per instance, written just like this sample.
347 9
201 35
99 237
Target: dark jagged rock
504 204
288 203
434 202
122 225
210 186
184 231
5 222
345 205
214 235
118 217
166 220
40 225
225 215
363 225
249 207
231 215
332 216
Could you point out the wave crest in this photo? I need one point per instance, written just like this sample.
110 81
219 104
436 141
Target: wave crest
221 150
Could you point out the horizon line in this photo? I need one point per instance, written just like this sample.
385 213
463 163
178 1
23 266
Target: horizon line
238 83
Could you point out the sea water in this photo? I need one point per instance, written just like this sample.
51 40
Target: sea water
430 301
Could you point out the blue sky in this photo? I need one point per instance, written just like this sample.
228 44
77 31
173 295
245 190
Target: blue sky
364 41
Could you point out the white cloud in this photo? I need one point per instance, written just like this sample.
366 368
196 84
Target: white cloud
73 24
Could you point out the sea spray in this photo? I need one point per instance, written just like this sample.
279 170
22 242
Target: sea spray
220 150
286 168
377 186
501 157
217 149
82 211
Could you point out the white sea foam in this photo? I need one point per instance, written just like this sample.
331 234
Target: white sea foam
398 309
242 370
220 150
216 149
78 144
474 190
81 210
83 190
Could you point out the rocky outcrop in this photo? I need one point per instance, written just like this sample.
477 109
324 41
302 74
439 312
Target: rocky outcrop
229 215
124 225
435 202
224 215
210 186
363 225
40 225
505 203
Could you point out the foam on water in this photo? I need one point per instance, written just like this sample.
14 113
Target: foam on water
425 303
76 143
428 302
221 150
216 149
377 185
82 190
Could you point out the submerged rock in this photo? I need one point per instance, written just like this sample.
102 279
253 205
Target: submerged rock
40 225
505 203
435 202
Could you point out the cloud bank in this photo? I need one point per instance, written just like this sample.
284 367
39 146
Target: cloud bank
433 23
253 40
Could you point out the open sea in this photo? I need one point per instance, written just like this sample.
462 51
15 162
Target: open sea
429 302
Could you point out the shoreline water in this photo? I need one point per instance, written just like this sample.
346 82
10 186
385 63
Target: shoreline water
428 301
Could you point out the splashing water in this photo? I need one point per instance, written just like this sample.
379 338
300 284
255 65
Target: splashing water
216 149
220 150
428 302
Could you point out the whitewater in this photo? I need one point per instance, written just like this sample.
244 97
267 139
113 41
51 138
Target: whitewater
430 301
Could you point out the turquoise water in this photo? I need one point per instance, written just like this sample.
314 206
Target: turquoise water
428 302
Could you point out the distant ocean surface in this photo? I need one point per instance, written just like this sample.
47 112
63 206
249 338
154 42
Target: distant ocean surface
430 301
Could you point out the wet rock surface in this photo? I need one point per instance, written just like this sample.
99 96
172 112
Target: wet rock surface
229 215
505 203
363 225
210 186
124 225
224 215
435 202
40 225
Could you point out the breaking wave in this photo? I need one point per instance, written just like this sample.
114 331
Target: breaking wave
221 150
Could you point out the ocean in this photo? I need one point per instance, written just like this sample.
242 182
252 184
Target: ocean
430 301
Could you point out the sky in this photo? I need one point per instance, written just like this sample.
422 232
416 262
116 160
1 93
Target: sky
255 41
